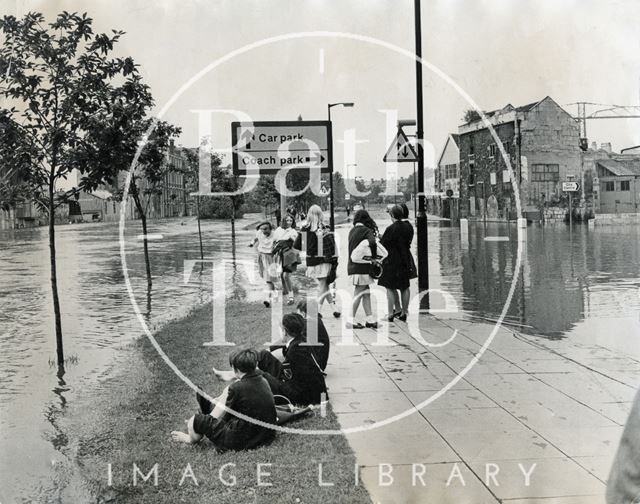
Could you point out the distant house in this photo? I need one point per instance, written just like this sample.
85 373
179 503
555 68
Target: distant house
618 184
540 142
448 169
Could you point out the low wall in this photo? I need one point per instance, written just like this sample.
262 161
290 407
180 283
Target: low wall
619 218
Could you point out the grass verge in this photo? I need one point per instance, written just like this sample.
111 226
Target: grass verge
147 401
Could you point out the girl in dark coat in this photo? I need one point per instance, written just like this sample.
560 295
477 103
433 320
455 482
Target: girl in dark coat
396 271
364 228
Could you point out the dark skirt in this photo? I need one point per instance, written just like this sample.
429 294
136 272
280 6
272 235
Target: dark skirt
395 272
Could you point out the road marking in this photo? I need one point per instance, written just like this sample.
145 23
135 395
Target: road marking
152 236
496 238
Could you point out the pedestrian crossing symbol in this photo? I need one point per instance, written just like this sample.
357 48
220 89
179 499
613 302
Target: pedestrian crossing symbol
400 150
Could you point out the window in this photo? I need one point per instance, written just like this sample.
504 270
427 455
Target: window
609 186
472 174
492 150
507 147
624 185
450 171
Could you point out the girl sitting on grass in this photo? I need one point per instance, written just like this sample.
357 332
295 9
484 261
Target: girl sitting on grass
298 379
250 395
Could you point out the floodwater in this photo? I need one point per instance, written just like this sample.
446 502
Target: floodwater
584 284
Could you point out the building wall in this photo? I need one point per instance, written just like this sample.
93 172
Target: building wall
449 162
549 153
613 199
550 137
478 161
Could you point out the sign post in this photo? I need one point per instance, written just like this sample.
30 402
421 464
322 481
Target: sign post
570 187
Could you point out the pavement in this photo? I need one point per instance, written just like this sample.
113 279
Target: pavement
550 411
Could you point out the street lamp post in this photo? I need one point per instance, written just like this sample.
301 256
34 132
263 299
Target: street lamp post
421 220
332 222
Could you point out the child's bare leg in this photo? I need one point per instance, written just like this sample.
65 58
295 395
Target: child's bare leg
189 437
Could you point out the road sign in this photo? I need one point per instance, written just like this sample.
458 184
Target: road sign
273 145
347 196
570 186
400 150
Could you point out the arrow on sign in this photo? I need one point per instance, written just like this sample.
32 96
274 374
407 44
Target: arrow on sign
400 150
570 186
317 159
247 136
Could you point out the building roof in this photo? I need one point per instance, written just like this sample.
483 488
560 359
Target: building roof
452 137
621 167
528 107
510 108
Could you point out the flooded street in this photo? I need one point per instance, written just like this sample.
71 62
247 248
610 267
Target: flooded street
583 285
98 322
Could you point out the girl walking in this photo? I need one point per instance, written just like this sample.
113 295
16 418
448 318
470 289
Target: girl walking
266 264
364 228
318 243
284 237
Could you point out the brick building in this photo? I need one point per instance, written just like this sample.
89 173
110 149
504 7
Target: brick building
172 198
542 144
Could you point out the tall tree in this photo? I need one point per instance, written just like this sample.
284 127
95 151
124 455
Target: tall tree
77 107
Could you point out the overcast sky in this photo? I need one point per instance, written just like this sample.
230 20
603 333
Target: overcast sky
497 51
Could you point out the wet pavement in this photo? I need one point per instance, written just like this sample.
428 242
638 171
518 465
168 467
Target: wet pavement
560 405
551 390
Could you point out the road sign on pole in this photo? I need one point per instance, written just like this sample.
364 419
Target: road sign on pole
400 150
273 145
570 186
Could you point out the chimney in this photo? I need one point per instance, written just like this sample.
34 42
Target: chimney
606 147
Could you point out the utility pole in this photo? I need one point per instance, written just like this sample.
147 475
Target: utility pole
421 220
332 222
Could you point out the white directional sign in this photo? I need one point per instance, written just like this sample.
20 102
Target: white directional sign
273 145
400 150
570 186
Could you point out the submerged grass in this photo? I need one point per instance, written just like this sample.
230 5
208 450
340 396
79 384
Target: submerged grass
147 401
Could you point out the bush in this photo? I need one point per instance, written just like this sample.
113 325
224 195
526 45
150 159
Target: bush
218 208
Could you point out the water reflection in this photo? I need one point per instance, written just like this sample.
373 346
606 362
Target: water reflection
59 438
561 276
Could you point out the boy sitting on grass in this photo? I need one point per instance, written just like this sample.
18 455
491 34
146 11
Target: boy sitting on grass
250 395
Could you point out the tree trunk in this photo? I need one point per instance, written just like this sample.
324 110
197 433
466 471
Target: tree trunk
147 263
233 219
54 279
199 230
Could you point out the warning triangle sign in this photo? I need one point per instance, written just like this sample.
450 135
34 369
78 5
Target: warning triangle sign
400 150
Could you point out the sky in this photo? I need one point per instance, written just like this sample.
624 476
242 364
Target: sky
495 51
